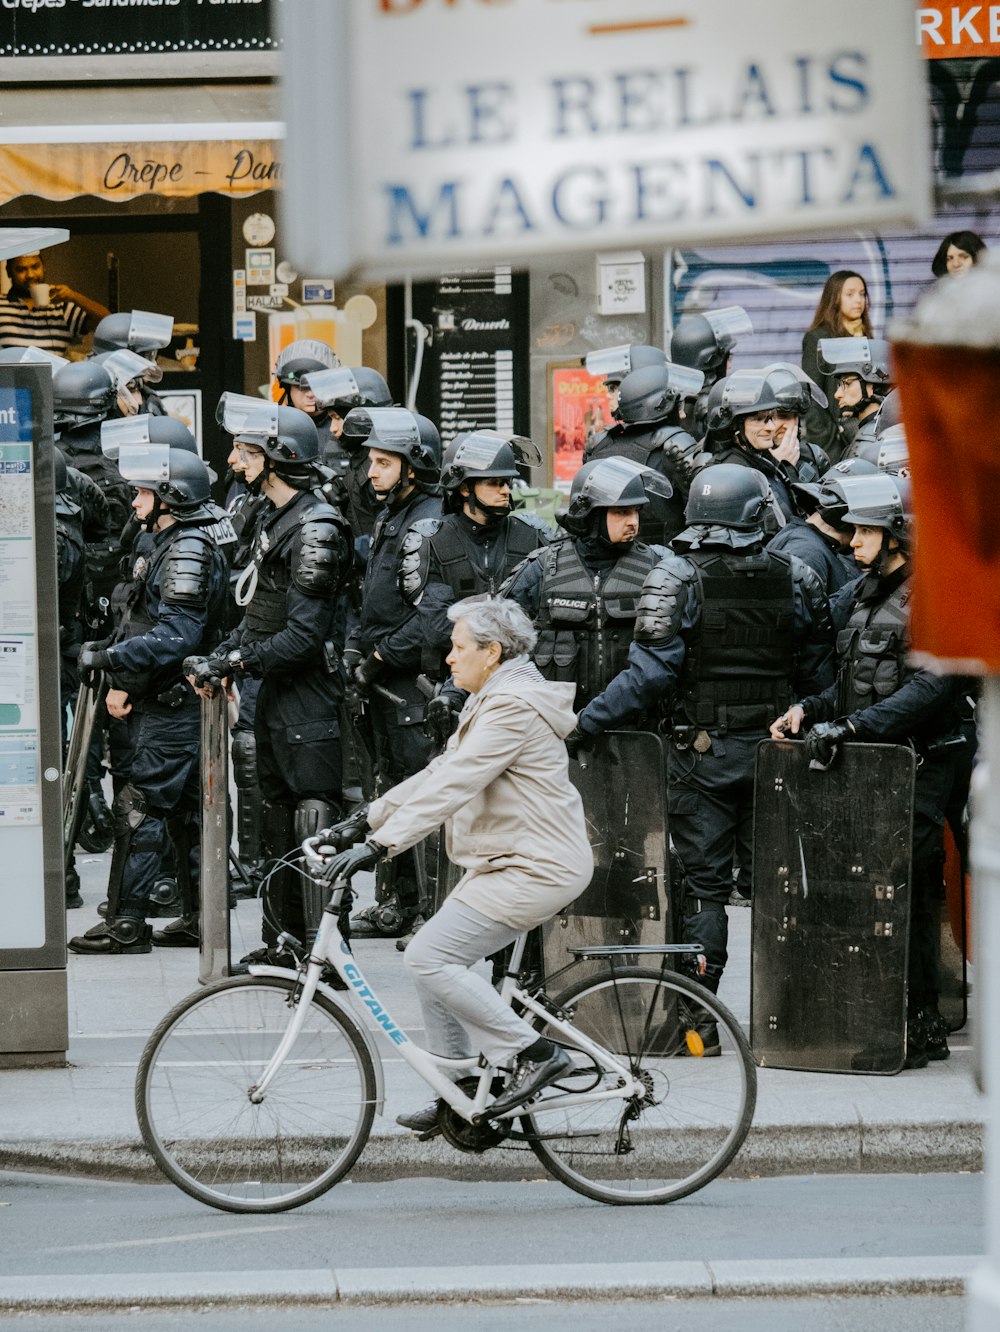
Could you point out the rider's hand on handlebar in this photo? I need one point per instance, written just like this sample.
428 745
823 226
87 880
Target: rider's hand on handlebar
349 830
348 863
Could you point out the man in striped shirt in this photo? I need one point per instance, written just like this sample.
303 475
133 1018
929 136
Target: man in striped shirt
52 327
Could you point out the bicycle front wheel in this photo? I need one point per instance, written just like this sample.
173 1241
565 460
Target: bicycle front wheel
193 1087
700 1089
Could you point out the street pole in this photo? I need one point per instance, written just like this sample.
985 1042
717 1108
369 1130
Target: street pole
213 957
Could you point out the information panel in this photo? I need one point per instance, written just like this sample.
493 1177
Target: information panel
109 27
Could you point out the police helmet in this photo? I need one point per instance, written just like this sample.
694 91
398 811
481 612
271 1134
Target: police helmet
878 501
747 392
129 431
397 430
704 341
822 497
888 452
794 389
728 495
135 330
303 357
286 436
868 358
612 364
343 388
82 391
610 483
889 414
128 367
649 395
177 478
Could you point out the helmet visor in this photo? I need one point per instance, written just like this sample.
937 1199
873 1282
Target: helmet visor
32 356
815 392
609 362
871 500
392 428
685 381
844 355
251 419
125 366
145 465
744 390
128 433
606 483
329 386
147 329
526 451
478 453
731 322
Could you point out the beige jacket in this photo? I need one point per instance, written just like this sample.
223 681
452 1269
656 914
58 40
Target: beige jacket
514 821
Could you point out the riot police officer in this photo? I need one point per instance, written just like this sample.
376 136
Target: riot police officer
649 431
385 651
821 538
705 342
723 629
582 591
139 331
291 638
612 364
177 607
478 543
337 393
879 695
860 371
303 357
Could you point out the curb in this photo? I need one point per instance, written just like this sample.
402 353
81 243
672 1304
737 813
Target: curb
770 1149
726 1279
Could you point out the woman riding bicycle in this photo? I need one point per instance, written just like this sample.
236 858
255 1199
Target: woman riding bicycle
516 826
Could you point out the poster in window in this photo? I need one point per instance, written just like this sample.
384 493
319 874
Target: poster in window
579 410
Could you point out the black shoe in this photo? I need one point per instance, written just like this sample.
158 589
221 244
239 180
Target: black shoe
123 935
165 899
421 1121
937 1034
73 898
916 1041
265 956
528 1078
384 920
181 933
404 941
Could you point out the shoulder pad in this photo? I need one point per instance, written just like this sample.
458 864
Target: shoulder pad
186 579
221 528
808 581
324 557
533 520
415 563
662 600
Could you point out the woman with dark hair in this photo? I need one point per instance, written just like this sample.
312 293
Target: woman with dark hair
842 312
957 253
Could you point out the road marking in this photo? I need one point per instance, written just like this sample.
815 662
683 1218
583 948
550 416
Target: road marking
170 1239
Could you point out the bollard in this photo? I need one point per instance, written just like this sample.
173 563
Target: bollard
213 955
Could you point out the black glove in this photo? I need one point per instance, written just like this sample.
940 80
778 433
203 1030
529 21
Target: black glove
93 658
578 745
207 671
349 830
348 863
441 718
823 739
369 671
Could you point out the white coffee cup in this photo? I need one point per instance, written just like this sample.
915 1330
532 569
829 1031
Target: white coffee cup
39 294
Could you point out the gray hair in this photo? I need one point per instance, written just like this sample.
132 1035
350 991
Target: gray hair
496 620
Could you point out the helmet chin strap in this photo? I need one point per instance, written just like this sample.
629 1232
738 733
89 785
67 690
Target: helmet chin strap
154 514
395 490
493 513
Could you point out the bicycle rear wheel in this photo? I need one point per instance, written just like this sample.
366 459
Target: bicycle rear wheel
697 1106
207 1136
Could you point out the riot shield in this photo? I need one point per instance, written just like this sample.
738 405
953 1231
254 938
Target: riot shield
621 782
831 908
89 702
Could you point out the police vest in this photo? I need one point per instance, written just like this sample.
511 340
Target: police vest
585 624
740 656
274 552
72 569
471 568
871 650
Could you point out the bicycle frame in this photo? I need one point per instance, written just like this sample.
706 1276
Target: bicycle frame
331 947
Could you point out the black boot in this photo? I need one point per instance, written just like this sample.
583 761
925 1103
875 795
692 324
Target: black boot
123 934
937 1033
73 898
181 933
916 1041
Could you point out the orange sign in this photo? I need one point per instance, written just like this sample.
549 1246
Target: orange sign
963 30
579 412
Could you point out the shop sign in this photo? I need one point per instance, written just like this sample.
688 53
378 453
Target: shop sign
947 32
59 28
118 171
535 126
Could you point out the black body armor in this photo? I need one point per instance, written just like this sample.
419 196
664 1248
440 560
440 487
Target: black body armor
872 650
306 543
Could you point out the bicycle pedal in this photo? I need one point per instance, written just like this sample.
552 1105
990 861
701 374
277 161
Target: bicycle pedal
435 1132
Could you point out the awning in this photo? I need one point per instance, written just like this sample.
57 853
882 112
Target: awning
120 143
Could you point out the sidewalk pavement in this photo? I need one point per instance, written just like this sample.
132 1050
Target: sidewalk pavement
80 1118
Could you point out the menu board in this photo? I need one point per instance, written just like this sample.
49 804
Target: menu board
99 27
475 362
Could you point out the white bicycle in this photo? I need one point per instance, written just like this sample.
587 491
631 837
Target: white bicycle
258 1093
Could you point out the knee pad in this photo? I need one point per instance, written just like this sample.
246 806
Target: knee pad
244 759
313 814
128 810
